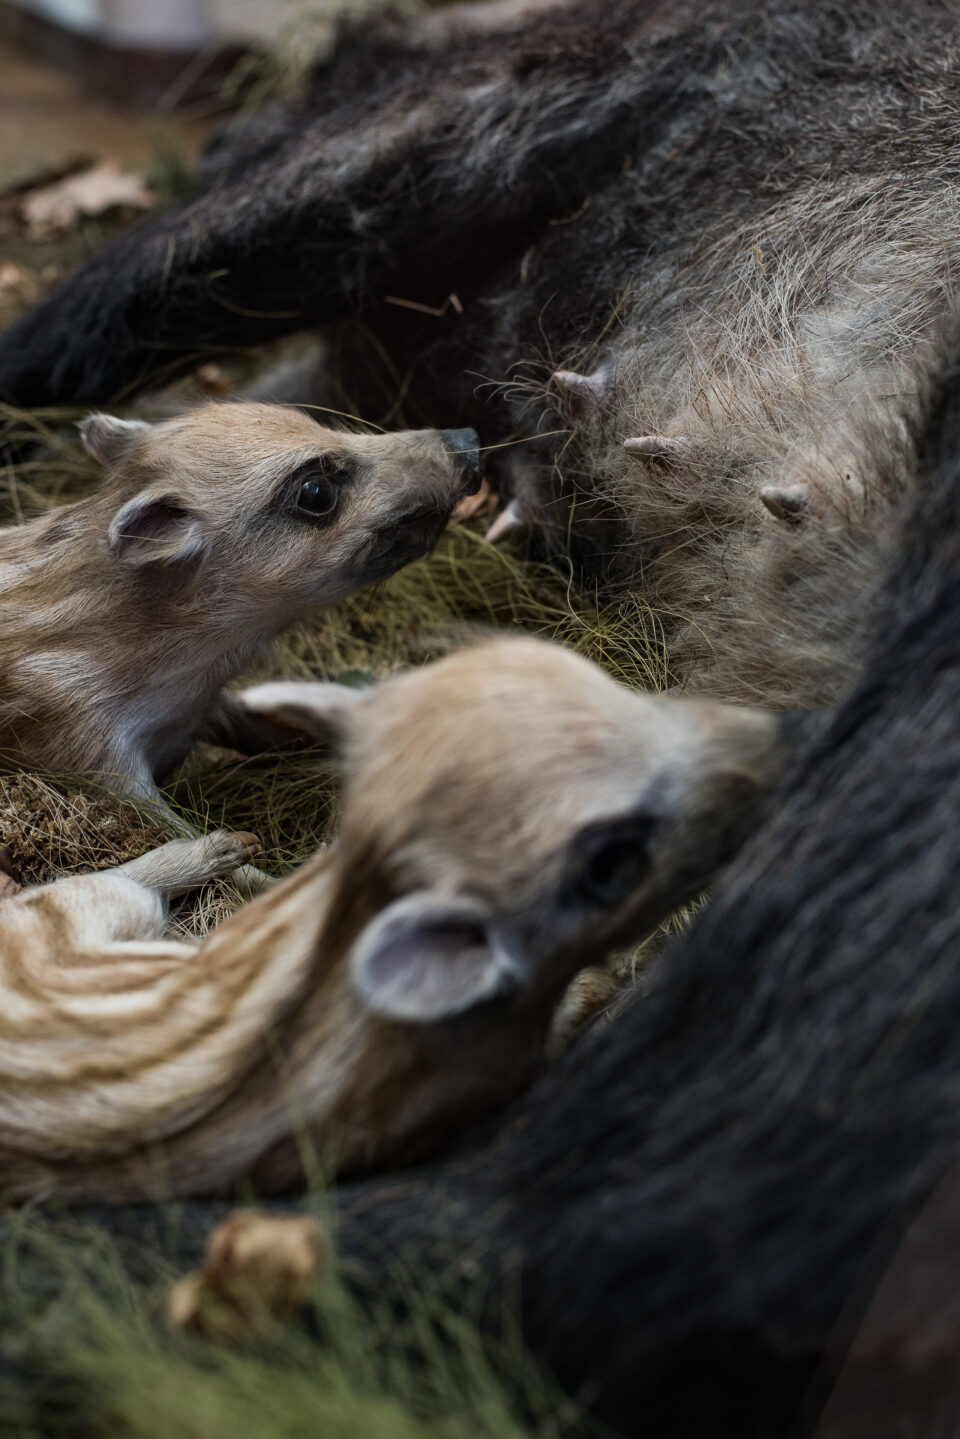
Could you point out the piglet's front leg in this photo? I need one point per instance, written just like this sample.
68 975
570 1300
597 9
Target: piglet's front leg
182 864
185 864
234 726
132 779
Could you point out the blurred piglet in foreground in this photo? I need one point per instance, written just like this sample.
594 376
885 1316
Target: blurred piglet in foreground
510 815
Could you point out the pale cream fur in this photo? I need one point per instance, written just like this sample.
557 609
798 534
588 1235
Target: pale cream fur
306 1030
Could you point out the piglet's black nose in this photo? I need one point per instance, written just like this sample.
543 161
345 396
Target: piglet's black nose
465 444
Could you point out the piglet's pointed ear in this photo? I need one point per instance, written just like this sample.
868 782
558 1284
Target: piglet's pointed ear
425 959
321 710
151 529
110 440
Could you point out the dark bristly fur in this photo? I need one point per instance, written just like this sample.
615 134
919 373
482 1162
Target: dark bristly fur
749 1137
363 186
703 1190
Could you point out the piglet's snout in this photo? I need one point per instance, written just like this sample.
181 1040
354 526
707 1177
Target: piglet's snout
464 445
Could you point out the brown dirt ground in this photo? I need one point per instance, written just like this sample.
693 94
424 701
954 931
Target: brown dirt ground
46 122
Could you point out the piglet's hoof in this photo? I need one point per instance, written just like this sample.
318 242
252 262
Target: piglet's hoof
248 845
227 850
259 1268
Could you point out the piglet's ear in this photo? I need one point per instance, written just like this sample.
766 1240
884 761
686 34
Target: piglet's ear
425 959
321 710
110 440
152 529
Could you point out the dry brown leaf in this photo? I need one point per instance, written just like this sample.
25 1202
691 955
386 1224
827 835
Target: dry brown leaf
17 284
43 176
12 195
258 1270
482 503
58 207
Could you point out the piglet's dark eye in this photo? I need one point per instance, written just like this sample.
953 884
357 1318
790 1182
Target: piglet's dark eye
610 862
613 868
317 496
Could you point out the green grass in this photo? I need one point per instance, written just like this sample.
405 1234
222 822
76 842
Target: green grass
85 1351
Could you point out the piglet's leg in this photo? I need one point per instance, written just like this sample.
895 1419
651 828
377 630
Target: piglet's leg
80 913
128 903
124 903
131 778
236 727
185 864
247 878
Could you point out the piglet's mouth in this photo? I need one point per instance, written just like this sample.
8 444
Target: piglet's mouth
407 538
